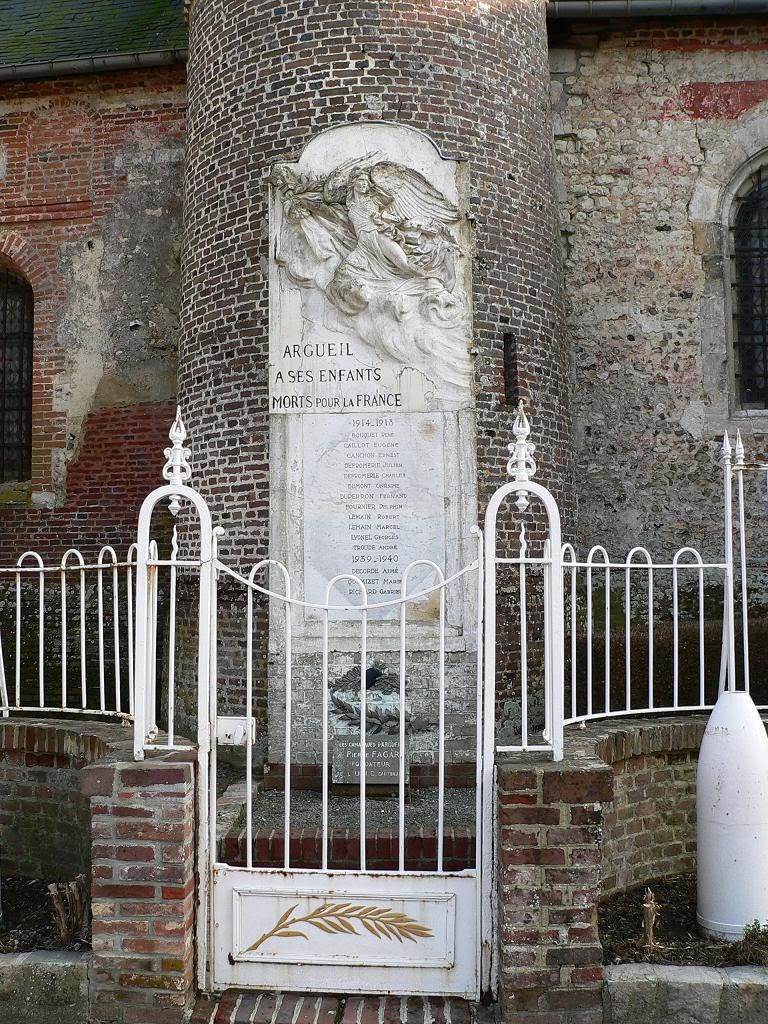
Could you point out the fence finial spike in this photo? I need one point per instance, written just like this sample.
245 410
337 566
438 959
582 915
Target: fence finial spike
726 445
739 449
521 465
521 428
177 469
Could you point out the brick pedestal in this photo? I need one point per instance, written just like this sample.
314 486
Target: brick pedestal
143 829
548 888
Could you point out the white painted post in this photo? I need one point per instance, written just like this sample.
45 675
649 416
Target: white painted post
738 467
732 819
522 468
729 648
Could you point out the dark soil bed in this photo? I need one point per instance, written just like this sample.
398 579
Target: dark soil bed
27 922
676 933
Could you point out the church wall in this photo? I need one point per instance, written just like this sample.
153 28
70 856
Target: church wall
651 120
90 213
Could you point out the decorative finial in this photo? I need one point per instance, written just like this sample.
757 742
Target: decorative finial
521 465
177 470
739 451
726 446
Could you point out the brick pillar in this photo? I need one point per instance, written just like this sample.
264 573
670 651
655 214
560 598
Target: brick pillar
548 889
143 889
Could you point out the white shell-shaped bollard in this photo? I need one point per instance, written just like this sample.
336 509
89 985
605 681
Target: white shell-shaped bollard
732 819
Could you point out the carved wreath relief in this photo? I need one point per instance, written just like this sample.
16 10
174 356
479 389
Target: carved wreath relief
382 694
373 248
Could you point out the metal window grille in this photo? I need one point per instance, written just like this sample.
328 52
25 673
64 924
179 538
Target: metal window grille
749 234
16 311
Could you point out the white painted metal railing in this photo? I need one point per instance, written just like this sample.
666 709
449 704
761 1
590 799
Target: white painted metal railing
400 606
651 594
589 637
72 627
603 643
537 596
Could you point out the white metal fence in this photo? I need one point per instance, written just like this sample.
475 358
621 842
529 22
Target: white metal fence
66 634
644 635
411 599
592 637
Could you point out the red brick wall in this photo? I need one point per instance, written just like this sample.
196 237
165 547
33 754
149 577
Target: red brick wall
44 820
120 462
550 817
143 890
618 810
138 840
649 829
71 146
382 849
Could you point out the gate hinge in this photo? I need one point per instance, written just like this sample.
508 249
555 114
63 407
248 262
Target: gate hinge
232 730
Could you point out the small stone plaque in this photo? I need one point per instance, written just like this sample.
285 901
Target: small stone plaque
382 760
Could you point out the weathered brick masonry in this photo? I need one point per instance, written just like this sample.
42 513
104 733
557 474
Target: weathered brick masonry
619 809
120 461
73 800
650 825
44 820
381 846
263 80
652 120
548 888
90 213
143 890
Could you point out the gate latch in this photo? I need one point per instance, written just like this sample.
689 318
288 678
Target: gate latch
232 730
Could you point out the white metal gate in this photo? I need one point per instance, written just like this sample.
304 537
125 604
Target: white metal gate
347 916
385 892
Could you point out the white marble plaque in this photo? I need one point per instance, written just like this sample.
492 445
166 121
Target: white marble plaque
374 501
369 287
382 760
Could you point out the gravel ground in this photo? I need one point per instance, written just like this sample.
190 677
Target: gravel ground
344 811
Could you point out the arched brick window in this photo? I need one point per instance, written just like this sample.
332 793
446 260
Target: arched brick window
749 280
16 312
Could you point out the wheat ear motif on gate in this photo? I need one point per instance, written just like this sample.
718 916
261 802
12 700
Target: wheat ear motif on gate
335 918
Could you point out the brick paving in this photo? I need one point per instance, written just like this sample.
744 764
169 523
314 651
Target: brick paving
300 1008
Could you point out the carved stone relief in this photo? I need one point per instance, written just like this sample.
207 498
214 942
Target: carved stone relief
375 251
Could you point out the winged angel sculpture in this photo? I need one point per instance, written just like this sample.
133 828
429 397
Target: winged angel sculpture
376 239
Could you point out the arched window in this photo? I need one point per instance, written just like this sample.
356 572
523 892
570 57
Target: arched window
749 279
16 312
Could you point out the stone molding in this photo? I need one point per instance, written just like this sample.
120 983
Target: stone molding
729 159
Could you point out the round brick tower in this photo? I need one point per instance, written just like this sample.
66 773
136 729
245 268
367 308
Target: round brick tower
264 78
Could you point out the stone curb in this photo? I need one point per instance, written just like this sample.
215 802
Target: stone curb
656 994
44 987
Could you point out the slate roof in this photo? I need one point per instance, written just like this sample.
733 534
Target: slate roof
39 31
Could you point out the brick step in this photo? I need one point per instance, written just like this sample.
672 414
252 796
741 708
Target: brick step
381 849
235 1007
